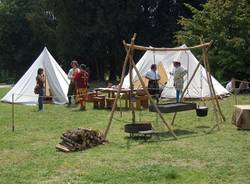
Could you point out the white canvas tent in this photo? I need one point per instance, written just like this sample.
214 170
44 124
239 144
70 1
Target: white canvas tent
56 81
164 60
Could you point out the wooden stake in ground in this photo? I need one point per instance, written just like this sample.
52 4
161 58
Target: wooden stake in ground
13 115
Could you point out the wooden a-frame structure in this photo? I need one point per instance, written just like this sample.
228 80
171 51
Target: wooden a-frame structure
129 61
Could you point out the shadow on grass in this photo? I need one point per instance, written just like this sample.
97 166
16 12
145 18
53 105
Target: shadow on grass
161 136
202 126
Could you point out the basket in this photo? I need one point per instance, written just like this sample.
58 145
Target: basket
201 111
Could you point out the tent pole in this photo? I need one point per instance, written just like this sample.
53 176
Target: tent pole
131 88
13 111
120 86
150 98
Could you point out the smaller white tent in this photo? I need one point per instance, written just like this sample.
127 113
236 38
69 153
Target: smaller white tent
56 79
198 88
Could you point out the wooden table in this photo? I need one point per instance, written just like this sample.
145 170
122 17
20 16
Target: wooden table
112 91
241 116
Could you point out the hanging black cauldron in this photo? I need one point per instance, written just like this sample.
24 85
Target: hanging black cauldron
201 111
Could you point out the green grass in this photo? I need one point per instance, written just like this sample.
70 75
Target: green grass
29 156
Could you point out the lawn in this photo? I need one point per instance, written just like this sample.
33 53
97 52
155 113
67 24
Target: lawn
29 156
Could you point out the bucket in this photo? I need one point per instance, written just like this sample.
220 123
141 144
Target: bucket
201 111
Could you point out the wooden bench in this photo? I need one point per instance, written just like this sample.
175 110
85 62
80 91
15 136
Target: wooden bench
110 102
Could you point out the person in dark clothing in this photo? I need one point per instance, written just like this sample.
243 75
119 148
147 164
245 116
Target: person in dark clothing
153 82
40 80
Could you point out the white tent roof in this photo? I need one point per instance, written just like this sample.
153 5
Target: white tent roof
199 86
57 79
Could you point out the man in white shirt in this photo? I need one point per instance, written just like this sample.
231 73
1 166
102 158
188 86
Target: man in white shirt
71 74
179 74
153 78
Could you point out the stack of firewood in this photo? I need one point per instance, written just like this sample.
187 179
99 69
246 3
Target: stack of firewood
80 139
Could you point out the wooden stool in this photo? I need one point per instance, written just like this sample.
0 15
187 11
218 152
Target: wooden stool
98 102
144 101
141 101
102 102
110 102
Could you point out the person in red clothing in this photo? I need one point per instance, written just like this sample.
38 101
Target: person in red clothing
81 81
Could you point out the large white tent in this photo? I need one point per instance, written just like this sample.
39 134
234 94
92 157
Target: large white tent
56 81
164 60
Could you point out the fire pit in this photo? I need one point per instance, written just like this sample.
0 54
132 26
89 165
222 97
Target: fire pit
137 127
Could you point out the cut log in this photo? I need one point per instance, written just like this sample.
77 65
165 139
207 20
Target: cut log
81 139
62 148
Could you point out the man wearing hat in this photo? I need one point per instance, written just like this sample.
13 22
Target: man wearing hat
179 74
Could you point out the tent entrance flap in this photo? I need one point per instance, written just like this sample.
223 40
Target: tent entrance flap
48 92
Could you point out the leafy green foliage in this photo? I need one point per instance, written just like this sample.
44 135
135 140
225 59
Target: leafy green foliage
25 28
227 23
89 31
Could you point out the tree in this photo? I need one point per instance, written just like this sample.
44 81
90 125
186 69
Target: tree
25 28
227 23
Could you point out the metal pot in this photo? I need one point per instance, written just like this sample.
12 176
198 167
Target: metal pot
201 111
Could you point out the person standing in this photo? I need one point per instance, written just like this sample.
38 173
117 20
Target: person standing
72 90
81 80
179 74
40 80
153 81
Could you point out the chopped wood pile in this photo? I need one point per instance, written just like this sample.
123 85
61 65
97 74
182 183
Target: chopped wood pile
80 139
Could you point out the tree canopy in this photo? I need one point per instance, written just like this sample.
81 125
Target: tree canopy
227 23
92 32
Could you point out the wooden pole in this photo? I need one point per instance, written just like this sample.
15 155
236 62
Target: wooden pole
13 111
151 100
211 81
204 53
142 48
120 85
131 88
